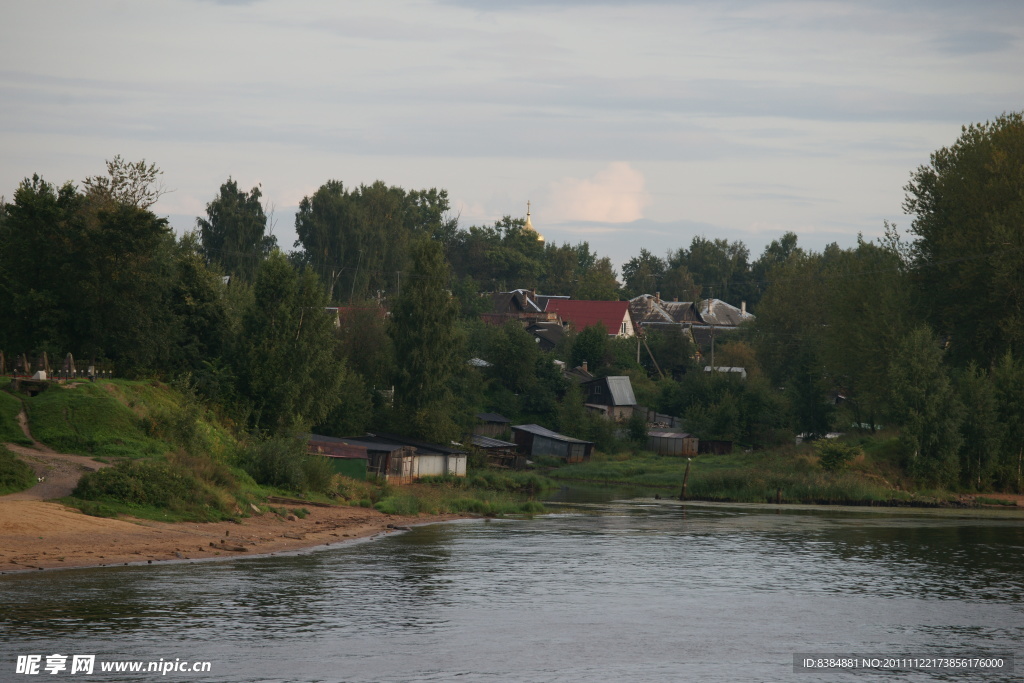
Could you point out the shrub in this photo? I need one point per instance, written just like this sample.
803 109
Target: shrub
284 463
154 484
834 455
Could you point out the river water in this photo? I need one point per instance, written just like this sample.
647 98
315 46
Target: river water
637 590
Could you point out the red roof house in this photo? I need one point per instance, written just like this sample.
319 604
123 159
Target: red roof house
614 315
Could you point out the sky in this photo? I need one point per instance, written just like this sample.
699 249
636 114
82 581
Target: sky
629 125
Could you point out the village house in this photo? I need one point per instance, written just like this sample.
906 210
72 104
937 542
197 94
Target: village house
611 396
579 314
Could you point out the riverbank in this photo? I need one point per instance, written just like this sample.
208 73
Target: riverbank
37 535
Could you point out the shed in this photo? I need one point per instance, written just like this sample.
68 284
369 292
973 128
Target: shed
346 458
430 459
499 453
491 424
668 442
535 440
394 462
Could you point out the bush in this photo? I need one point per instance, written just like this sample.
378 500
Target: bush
834 455
152 484
284 463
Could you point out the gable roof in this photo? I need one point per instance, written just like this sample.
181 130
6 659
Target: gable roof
493 417
621 390
583 314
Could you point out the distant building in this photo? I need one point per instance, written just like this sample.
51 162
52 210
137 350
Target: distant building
611 396
668 442
535 440
491 424
579 315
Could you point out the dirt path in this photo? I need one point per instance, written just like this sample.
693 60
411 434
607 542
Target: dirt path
57 473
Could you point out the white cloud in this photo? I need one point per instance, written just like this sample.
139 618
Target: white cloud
616 194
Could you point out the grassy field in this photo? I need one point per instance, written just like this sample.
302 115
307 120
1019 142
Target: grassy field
787 475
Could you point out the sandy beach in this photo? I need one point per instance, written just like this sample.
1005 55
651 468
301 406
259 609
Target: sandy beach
36 535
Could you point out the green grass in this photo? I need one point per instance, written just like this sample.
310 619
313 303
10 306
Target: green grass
789 474
89 419
10 431
14 474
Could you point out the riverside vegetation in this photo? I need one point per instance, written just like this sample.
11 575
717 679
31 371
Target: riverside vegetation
174 460
911 344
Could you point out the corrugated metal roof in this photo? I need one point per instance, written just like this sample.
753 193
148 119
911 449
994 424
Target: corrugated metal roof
541 431
487 442
665 433
621 390
420 446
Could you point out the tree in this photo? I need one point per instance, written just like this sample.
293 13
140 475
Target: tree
357 240
598 282
924 403
286 362
133 183
428 346
234 232
968 207
590 346
643 274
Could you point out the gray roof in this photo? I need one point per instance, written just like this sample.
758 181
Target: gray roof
541 431
487 442
621 390
718 312
668 434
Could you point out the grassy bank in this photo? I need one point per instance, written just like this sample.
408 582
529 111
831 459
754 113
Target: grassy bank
10 430
14 474
174 461
789 475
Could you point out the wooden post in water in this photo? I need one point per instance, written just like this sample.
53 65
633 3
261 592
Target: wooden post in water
686 476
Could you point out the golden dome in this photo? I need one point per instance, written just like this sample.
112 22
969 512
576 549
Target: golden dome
529 224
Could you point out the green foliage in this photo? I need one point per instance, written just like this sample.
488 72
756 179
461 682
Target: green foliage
357 240
927 407
835 455
90 420
590 345
428 347
283 462
286 361
153 484
234 233
10 430
968 259
14 474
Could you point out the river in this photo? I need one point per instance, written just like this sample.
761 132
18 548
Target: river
635 590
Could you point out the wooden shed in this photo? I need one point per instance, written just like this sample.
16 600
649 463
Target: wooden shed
668 442
429 459
535 440
499 453
491 424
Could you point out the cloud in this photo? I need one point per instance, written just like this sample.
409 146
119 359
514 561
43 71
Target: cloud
615 194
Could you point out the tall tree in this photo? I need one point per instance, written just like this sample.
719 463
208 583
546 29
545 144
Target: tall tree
234 232
968 207
428 346
925 404
286 362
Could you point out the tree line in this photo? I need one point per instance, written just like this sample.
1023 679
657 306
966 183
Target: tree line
370 319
